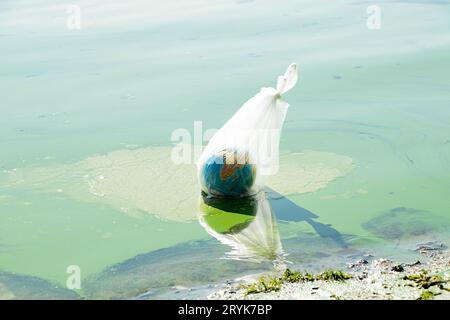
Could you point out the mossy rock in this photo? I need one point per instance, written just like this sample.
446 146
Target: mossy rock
189 264
402 222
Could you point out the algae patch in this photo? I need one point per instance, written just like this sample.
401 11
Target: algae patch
146 180
269 284
427 295
264 284
425 280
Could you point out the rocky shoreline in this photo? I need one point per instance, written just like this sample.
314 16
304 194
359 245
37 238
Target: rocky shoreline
382 279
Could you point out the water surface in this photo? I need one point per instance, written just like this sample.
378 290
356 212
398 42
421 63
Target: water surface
137 71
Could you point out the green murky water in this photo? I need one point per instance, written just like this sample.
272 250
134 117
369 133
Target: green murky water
370 118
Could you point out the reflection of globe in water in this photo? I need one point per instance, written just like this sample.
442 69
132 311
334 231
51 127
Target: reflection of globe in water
228 215
228 173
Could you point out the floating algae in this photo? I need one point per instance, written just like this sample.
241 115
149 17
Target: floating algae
253 235
146 180
308 171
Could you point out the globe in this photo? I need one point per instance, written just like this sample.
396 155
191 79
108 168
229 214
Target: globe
228 173
228 216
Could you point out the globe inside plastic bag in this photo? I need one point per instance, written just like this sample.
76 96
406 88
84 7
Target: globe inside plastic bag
245 150
224 175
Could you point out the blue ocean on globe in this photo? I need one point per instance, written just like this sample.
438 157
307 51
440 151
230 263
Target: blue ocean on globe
225 178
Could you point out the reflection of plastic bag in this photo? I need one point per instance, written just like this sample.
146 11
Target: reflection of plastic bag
245 149
247 225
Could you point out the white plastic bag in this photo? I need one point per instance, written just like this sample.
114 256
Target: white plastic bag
249 228
246 149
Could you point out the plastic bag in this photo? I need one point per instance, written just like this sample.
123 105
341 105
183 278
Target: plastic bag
246 149
247 225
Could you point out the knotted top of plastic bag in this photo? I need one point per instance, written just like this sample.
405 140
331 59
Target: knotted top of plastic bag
287 81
